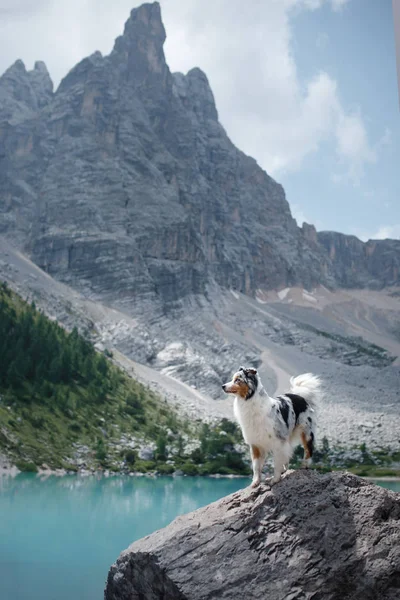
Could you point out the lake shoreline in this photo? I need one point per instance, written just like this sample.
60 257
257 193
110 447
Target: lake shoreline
13 471
388 478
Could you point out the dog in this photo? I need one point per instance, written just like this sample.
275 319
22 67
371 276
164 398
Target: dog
275 424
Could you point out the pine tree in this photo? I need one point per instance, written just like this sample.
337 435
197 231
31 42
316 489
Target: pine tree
13 377
161 446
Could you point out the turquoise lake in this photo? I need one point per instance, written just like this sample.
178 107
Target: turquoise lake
58 536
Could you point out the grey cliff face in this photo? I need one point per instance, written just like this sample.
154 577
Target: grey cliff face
322 537
373 264
124 184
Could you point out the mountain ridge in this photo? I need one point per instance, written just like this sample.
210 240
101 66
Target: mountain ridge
123 181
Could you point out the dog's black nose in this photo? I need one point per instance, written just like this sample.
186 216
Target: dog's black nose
223 386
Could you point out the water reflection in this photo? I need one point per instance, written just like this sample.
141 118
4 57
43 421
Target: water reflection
72 528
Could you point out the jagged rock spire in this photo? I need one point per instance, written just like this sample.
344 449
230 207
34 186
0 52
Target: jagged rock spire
141 45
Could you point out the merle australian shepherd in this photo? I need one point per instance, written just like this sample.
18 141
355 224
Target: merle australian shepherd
275 424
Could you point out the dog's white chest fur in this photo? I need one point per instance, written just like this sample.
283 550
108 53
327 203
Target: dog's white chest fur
255 421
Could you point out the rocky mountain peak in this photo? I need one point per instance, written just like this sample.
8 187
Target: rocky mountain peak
124 183
310 233
18 67
23 92
41 83
141 45
145 21
81 72
194 90
14 81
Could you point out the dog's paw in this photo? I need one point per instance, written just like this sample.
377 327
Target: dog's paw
272 480
255 483
268 481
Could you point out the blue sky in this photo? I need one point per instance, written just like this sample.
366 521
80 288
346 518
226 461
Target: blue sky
306 87
356 47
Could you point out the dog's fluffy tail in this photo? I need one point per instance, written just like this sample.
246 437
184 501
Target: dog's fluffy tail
308 386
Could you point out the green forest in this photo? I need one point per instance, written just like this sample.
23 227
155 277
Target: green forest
61 399
40 357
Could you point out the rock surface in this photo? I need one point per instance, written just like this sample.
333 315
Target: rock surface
312 537
373 264
124 184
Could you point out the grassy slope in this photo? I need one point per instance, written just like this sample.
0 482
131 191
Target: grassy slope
42 421
70 407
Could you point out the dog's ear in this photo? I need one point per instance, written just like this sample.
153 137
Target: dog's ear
251 371
248 371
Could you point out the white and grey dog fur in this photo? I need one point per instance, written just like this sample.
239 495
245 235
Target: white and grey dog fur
275 425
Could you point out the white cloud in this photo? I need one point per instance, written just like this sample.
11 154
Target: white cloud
353 147
337 5
383 232
267 110
385 140
352 138
387 231
298 214
310 4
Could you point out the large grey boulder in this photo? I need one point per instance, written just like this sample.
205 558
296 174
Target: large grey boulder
310 537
